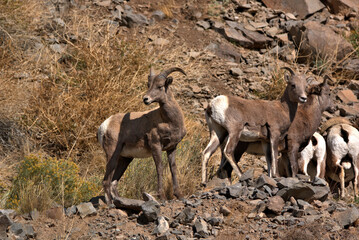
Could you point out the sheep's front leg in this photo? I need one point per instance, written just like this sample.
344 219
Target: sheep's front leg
293 157
171 155
122 165
274 157
156 154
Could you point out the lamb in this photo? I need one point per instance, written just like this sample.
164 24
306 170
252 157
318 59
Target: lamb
311 160
306 121
125 136
232 119
343 151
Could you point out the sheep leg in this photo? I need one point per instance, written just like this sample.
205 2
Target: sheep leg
113 154
229 152
156 154
121 168
293 156
226 169
355 180
341 177
273 153
171 155
207 153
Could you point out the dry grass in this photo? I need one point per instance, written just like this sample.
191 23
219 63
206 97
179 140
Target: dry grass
54 102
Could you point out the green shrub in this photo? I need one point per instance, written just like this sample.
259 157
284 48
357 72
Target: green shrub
43 181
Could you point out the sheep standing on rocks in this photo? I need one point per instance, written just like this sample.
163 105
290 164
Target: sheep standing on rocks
125 136
343 153
232 120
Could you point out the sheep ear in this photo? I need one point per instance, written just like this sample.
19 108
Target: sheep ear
327 80
286 78
310 80
169 81
317 89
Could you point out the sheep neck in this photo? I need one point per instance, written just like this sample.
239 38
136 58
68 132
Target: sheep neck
171 111
288 105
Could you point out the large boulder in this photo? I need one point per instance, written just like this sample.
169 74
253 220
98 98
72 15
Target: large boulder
301 7
311 39
342 6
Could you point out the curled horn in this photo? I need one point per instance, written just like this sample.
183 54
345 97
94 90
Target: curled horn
167 72
289 69
152 72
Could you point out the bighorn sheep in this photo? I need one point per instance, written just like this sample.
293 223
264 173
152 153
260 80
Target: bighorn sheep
232 119
306 121
311 160
125 136
343 151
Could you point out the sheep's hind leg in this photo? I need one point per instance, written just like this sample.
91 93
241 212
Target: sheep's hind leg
156 154
121 168
113 154
215 141
229 149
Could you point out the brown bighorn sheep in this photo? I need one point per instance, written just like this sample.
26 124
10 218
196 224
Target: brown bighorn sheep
343 151
306 121
125 136
232 119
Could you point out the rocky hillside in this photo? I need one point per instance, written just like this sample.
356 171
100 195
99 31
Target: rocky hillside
226 47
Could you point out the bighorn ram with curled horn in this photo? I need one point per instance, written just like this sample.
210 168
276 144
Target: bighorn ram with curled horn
125 136
232 119
343 153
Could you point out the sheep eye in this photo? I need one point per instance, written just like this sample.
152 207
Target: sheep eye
293 86
160 87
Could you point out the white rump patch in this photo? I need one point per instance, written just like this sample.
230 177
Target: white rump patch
102 130
219 105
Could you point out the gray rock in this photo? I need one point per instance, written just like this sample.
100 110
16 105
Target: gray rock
204 24
86 209
319 182
5 222
235 191
162 226
200 228
258 194
225 51
71 211
259 41
303 204
215 221
311 40
186 216
347 217
248 175
127 203
24 231
236 72
237 37
298 191
275 204
265 180
131 19
287 182
225 211
158 15
58 48
302 7
150 211
342 6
